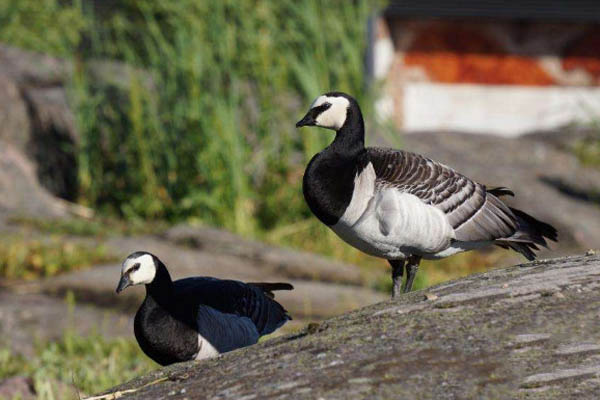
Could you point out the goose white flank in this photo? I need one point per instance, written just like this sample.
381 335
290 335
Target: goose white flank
402 206
199 317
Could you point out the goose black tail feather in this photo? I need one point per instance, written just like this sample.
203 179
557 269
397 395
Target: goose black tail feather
530 234
524 248
538 230
501 191
268 288
273 315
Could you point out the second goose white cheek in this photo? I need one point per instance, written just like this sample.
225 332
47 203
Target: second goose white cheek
143 275
334 116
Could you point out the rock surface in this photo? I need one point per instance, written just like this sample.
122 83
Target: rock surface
38 133
17 387
527 331
26 318
36 126
23 388
277 260
20 188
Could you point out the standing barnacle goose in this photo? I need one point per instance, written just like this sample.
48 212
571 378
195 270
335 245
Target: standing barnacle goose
402 206
200 317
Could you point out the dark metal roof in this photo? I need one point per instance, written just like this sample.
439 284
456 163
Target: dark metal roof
555 10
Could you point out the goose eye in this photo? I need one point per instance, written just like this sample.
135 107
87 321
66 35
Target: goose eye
135 268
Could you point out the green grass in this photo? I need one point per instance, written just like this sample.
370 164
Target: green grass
206 130
22 258
76 365
463 264
213 137
588 150
91 363
49 26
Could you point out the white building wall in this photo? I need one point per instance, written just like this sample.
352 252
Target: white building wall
500 110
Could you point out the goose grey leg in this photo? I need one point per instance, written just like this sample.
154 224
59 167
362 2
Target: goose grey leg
397 270
412 265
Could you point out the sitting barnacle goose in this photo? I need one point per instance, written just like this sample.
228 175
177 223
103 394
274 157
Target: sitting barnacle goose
200 317
402 206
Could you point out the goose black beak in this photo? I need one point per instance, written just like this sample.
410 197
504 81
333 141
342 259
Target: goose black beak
308 120
123 283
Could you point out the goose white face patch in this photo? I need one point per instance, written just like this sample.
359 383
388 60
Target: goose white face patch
142 269
335 116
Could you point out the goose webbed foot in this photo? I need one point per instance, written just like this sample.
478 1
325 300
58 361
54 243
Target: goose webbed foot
412 266
397 271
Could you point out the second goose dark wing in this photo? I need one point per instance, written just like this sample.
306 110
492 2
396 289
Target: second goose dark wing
234 297
224 331
475 214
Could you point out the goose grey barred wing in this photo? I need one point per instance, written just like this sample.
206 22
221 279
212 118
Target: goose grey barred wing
238 298
474 214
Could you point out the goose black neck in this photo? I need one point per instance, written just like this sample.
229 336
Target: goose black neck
350 138
161 287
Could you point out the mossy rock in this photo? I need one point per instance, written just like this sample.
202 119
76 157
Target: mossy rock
527 331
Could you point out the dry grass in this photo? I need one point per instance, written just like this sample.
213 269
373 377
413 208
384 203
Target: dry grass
462 264
22 258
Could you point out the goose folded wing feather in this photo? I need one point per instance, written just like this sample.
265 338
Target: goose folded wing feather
236 298
225 332
474 214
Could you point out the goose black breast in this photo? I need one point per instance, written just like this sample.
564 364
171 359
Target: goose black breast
328 183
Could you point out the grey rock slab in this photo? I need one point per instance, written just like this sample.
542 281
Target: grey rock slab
184 261
38 134
379 352
223 254
23 388
17 387
316 300
33 69
21 191
15 123
578 348
27 317
36 125
273 259
561 375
